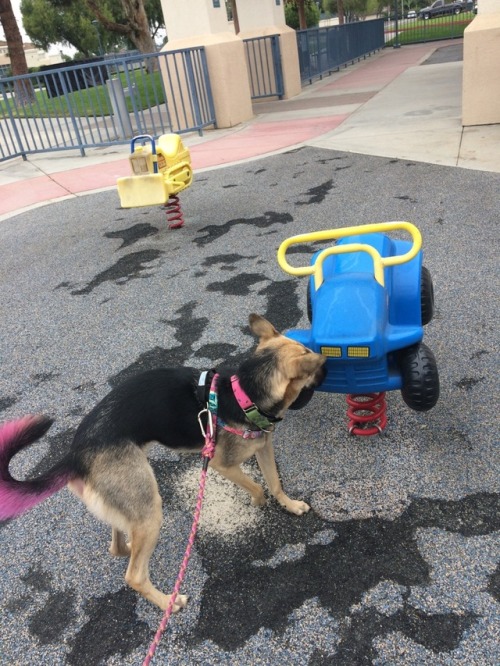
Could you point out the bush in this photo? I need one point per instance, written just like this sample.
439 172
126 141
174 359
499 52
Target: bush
292 14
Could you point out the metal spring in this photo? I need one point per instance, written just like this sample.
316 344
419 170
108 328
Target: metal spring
367 413
173 210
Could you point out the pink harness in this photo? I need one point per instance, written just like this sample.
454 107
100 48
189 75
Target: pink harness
241 397
251 412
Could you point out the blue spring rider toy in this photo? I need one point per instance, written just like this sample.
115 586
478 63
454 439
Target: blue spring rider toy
368 299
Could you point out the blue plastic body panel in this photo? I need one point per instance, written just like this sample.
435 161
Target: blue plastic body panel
352 310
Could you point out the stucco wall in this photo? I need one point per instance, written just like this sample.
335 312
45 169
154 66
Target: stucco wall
481 72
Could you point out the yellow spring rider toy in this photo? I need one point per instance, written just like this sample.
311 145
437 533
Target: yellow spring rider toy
160 171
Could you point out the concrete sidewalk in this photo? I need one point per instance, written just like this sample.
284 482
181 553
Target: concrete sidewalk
387 105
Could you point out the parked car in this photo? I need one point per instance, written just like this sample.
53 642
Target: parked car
441 8
412 14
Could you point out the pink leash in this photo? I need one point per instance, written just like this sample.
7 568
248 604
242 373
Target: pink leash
207 454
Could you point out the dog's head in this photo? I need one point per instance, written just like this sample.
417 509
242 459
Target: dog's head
285 373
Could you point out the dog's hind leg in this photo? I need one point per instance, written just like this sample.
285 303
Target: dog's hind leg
267 463
143 539
121 489
119 546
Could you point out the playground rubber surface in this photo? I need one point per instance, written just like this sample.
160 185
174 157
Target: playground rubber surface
398 561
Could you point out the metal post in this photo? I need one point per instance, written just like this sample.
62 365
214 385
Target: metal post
396 44
121 115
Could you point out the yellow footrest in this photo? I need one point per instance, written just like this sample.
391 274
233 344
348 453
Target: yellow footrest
147 190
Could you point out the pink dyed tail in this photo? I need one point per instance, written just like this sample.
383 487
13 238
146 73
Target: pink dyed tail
16 497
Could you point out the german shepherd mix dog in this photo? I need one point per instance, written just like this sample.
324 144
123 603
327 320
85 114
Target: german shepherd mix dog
106 465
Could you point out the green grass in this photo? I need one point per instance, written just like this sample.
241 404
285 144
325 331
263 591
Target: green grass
89 101
417 30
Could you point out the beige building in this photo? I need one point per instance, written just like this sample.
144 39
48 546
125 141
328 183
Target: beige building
35 57
205 23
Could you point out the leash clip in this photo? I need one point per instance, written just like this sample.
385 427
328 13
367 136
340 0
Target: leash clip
210 425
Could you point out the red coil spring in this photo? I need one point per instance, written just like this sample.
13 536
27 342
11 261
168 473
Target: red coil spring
175 217
367 413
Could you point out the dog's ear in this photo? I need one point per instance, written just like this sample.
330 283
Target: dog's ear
308 365
261 327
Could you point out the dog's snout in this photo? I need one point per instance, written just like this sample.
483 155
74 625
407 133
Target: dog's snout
321 373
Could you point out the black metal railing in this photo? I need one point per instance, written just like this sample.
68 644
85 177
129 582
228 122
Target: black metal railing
325 50
420 26
264 66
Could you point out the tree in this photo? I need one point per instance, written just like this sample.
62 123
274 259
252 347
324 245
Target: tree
23 89
47 24
350 10
341 11
135 28
301 14
13 38
87 25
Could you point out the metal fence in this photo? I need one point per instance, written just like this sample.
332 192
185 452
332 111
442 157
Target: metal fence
105 102
325 50
264 66
421 26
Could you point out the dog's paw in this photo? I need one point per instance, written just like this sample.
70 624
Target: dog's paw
120 550
180 602
297 507
259 501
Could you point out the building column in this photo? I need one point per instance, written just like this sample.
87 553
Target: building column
481 70
204 23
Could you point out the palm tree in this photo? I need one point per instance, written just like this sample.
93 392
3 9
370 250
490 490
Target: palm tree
302 14
22 88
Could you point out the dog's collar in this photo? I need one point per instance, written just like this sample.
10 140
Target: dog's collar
255 415
264 422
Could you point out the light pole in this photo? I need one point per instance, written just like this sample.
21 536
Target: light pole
96 25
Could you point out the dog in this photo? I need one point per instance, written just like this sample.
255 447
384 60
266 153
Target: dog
106 465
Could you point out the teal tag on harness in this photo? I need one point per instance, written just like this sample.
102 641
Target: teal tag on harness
212 401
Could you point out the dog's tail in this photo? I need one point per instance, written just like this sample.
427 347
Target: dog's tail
16 497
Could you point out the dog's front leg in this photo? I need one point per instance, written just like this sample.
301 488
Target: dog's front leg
267 463
238 476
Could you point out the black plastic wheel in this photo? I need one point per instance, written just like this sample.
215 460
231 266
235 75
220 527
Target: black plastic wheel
426 296
309 303
420 377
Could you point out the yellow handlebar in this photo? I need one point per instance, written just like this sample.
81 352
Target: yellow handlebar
379 263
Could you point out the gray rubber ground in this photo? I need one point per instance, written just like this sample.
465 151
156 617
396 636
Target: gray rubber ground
396 564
